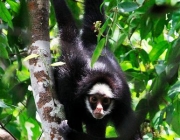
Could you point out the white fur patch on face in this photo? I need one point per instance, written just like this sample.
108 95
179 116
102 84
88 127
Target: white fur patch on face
88 105
103 89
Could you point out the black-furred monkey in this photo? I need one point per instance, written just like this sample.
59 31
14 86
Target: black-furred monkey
94 95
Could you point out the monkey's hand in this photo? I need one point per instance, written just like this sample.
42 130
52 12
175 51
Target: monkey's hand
64 129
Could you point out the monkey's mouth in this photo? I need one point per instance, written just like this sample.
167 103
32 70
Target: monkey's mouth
98 115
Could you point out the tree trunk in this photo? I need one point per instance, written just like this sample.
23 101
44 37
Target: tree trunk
40 69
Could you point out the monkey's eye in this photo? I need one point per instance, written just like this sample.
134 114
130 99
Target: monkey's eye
106 101
93 99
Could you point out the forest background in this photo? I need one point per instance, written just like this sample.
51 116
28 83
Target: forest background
144 36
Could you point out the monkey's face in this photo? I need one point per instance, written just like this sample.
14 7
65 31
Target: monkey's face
99 105
99 101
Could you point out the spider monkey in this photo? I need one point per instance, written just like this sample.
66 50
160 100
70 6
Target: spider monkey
96 95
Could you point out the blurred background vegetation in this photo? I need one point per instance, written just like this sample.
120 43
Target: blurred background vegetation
144 36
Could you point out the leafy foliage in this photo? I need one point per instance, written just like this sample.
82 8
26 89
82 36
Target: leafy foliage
144 36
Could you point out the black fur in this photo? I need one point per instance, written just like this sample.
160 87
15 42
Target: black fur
74 79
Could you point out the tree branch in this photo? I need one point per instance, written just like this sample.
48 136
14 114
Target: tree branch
40 69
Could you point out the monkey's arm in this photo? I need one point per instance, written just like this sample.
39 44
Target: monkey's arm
66 23
70 134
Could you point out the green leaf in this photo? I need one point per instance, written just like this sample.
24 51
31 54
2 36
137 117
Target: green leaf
148 136
176 117
174 90
157 50
102 29
144 56
14 6
137 76
3 51
174 54
3 105
159 86
158 27
31 107
34 127
5 15
145 27
110 132
139 86
158 118
13 129
1 71
9 77
31 56
122 37
140 1
3 40
160 68
127 6
169 114
134 58
173 57
23 75
52 18
97 51
119 42
146 6
18 92
134 20
58 64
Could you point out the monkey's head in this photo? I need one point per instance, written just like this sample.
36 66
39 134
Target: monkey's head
99 100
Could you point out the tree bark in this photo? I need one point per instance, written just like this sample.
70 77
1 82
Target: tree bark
5 135
40 70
